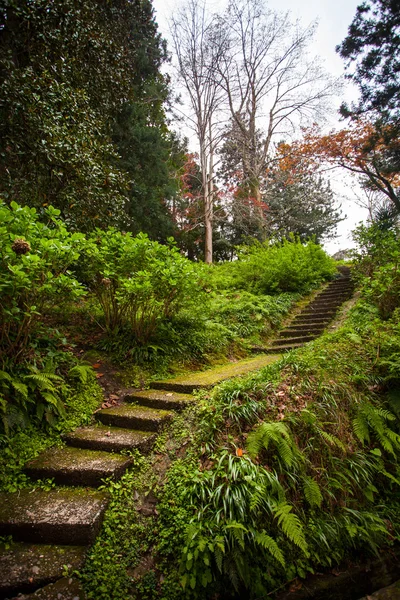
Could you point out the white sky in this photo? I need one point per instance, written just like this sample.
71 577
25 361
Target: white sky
334 18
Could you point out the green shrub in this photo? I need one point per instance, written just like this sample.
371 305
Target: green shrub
274 267
137 281
34 262
288 266
377 266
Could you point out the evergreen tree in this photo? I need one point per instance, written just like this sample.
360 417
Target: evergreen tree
372 49
73 75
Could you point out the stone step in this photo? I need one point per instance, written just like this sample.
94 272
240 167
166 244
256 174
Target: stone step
75 466
160 399
186 384
326 313
336 291
301 331
323 305
71 517
338 288
110 439
302 320
26 567
130 416
67 588
331 298
300 339
304 327
282 348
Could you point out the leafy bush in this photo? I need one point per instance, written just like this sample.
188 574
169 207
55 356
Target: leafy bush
275 267
34 262
137 281
377 266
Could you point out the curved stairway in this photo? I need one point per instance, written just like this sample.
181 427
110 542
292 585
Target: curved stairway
53 529
316 315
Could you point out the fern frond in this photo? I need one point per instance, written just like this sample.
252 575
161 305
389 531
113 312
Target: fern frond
291 525
312 492
360 428
21 388
82 372
269 544
332 439
390 476
273 432
6 376
285 452
218 555
238 530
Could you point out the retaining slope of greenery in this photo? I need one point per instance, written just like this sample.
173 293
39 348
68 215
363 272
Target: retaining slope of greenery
288 472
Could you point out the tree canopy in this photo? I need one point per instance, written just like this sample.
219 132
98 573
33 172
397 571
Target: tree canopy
371 50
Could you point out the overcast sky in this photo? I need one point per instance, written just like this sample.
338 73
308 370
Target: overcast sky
334 18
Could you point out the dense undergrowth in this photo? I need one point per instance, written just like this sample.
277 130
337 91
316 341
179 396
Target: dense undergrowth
288 472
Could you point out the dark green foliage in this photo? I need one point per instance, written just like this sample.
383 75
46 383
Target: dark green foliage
80 396
66 69
247 314
372 48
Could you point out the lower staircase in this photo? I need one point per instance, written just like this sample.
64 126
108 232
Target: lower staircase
54 528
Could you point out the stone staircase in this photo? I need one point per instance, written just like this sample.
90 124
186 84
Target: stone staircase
314 318
54 528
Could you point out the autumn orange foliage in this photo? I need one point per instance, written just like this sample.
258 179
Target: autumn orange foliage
360 148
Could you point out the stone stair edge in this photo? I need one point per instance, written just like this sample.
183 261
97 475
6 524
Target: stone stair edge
25 567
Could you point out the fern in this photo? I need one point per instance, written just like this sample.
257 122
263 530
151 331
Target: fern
374 418
269 544
6 376
312 492
82 372
332 439
238 530
360 428
276 433
291 525
20 387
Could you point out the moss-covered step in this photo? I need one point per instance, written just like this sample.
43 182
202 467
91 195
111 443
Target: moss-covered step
70 517
160 399
391 592
26 567
279 349
207 379
110 439
300 319
66 588
134 417
76 466
303 328
294 339
327 313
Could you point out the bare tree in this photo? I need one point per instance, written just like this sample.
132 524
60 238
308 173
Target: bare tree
270 84
198 58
